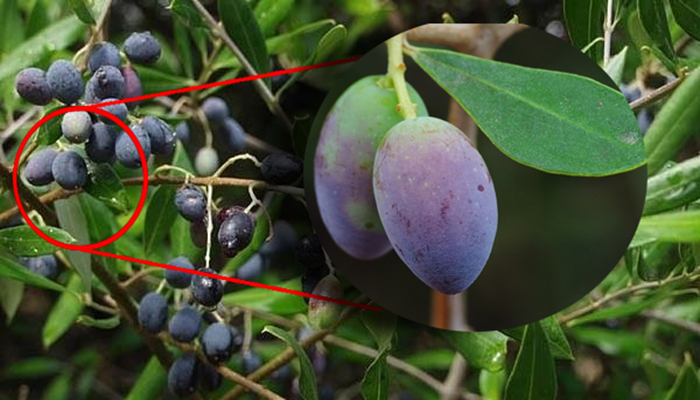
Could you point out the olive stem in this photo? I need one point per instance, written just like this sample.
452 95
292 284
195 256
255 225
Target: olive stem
395 72
210 225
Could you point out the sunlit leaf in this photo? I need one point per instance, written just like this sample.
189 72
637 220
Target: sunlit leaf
23 241
160 216
63 313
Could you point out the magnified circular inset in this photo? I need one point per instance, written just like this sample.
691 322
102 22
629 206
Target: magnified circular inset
475 176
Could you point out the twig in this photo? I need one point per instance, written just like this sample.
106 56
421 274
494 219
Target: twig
396 363
656 95
137 276
691 326
58 194
16 124
607 28
565 319
259 84
288 354
453 382
27 196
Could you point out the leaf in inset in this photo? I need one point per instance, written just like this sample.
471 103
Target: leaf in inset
63 314
160 216
673 187
82 11
558 345
482 350
679 227
240 24
584 24
23 241
552 121
687 14
533 376
104 185
307 376
653 17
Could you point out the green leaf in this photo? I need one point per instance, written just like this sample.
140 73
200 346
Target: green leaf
653 17
616 343
24 242
53 38
558 345
188 13
63 314
307 376
673 187
382 327
438 359
59 388
375 384
584 24
155 81
50 132
533 376
38 19
160 216
283 43
679 227
491 384
184 48
270 13
104 185
82 10
71 218
105 323
687 384
267 300
32 368
687 14
151 383
11 25
616 66
658 260
552 121
676 122
241 26
11 292
9 268
300 133
100 224
482 350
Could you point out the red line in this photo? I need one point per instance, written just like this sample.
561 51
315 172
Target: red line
228 82
234 280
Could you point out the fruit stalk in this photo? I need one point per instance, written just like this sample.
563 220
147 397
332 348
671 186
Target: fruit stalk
395 73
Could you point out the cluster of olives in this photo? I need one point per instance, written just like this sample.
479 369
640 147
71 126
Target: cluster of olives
103 141
418 186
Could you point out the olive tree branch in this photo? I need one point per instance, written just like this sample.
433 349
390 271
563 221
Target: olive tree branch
57 194
259 85
658 315
288 354
629 290
658 94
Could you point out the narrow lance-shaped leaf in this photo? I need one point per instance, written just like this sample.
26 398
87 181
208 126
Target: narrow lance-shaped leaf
533 376
616 66
584 24
673 187
653 17
160 216
687 14
375 383
150 384
552 121
240 24
681 227
558 345
687 384
676 122
82 11
104 185
9 268
50 131
63 314
23 241
483 350
266 300
100 224
11 292
71 218
307 377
